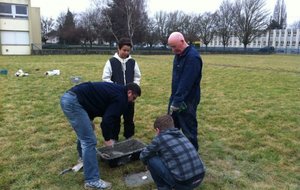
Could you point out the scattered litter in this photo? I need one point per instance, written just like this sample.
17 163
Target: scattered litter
52 73
76 79
21 73
3 71
75 168
144 177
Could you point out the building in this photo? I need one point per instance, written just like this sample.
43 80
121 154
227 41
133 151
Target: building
285 41
20 27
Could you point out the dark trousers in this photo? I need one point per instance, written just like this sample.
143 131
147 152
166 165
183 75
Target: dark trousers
128 123
164 179
187 122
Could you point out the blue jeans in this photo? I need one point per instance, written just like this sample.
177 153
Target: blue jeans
87 140
163 178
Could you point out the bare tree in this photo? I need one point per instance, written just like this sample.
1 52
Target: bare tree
151 36
251 19
47 25
207 28
87 25
191 28
161 20
176 21
280 15
224 21
296 25
125 18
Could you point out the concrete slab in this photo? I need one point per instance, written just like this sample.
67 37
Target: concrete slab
138 179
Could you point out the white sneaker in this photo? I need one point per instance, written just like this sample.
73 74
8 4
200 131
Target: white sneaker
100 184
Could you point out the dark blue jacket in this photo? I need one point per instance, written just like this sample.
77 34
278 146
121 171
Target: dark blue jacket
102 99
186 77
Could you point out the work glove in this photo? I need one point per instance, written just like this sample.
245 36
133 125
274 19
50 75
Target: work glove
179 109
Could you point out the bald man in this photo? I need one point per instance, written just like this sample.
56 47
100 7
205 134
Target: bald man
185 95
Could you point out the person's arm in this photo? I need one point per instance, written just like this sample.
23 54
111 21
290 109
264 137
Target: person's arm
112 112
150 150
137 74
107 72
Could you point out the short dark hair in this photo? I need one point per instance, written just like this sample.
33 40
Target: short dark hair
135 88
124 41
164 122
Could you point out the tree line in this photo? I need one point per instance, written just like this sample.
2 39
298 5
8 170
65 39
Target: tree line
106 21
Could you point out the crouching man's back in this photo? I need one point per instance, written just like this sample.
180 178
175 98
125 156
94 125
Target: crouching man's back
171 158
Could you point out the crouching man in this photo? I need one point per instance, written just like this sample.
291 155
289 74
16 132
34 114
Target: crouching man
171 159
81 104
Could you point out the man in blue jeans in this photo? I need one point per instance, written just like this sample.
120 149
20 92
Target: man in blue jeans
171 159
81 104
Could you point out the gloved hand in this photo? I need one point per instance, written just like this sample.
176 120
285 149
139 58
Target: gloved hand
182 107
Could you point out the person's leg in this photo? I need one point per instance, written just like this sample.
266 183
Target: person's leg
160 174
81 123
187 122
79 149
128 121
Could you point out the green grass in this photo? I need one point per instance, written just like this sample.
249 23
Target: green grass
249 120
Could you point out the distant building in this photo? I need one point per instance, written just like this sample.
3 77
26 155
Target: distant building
20 27
287 40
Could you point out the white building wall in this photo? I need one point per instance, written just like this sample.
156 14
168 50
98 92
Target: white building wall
10 24
281 39
15 50
17 29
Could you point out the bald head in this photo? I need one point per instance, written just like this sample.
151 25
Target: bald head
177 42
175 36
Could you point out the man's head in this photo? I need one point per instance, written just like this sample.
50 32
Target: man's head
163 122
177 42
133 91
124 47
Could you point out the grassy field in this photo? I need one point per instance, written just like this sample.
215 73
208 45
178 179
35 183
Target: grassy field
249 120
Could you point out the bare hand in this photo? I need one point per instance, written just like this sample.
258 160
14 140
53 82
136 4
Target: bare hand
109 143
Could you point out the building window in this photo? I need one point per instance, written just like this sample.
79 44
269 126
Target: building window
13 11
281 43
5 8
14 38
294 33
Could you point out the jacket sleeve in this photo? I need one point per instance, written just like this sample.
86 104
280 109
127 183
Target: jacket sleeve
150 150
112 112
137 74
107 72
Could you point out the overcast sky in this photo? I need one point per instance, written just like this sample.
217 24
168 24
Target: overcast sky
52 8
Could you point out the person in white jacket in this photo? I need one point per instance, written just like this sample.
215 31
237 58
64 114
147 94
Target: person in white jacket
123 69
